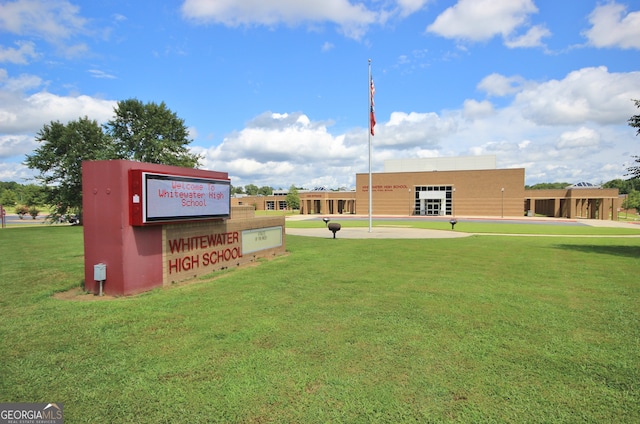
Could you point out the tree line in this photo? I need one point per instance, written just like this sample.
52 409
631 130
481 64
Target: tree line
292 198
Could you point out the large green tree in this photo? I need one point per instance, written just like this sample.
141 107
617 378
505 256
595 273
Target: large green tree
634 121
293 198
251 189
8 198
142 132
34 195
59 160
9 193
150 133
632 201
265 191
623 186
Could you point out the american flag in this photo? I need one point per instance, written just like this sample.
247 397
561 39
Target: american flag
372 114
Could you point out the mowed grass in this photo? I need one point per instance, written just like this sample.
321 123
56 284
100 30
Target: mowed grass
477 329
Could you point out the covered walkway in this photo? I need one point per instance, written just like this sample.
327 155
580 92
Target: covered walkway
574 202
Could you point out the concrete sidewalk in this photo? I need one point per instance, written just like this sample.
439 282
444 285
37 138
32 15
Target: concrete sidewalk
376 233
401 232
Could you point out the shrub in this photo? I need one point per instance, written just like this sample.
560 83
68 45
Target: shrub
22 210
33 211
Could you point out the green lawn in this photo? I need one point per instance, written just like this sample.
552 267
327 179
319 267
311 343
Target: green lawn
478 329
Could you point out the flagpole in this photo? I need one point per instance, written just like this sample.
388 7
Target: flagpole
370 123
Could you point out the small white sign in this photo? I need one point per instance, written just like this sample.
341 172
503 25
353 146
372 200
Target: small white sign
261 239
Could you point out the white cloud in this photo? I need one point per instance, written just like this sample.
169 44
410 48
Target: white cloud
499 85
481 20
276 147
410 130
572 129
21 55
21 113
58 22
533 38
585 95
327 46
13 145
24 82
581 138
281 149
474 109
407 7
28 114
612 28
193 133
15 172
97 73
53 20
353 19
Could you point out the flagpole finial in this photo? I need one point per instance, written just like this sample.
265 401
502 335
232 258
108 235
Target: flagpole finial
369 60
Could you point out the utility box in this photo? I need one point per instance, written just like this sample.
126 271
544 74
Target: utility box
100 272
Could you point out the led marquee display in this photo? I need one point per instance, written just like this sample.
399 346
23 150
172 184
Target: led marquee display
161 198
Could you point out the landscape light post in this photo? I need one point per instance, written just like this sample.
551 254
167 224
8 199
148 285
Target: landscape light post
453 202
502 208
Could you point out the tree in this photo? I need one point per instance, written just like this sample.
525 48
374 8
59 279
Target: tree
623 186
59 160
150 133
265 191
634 121
634 170
33 211
251 189
22 210
9 193
33 195
8 198
632 201
293 198
547 186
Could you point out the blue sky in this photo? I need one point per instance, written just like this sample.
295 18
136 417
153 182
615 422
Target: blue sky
275 92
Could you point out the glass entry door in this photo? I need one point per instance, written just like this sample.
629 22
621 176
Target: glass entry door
432 206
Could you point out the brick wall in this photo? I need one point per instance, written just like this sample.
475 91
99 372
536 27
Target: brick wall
477 192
